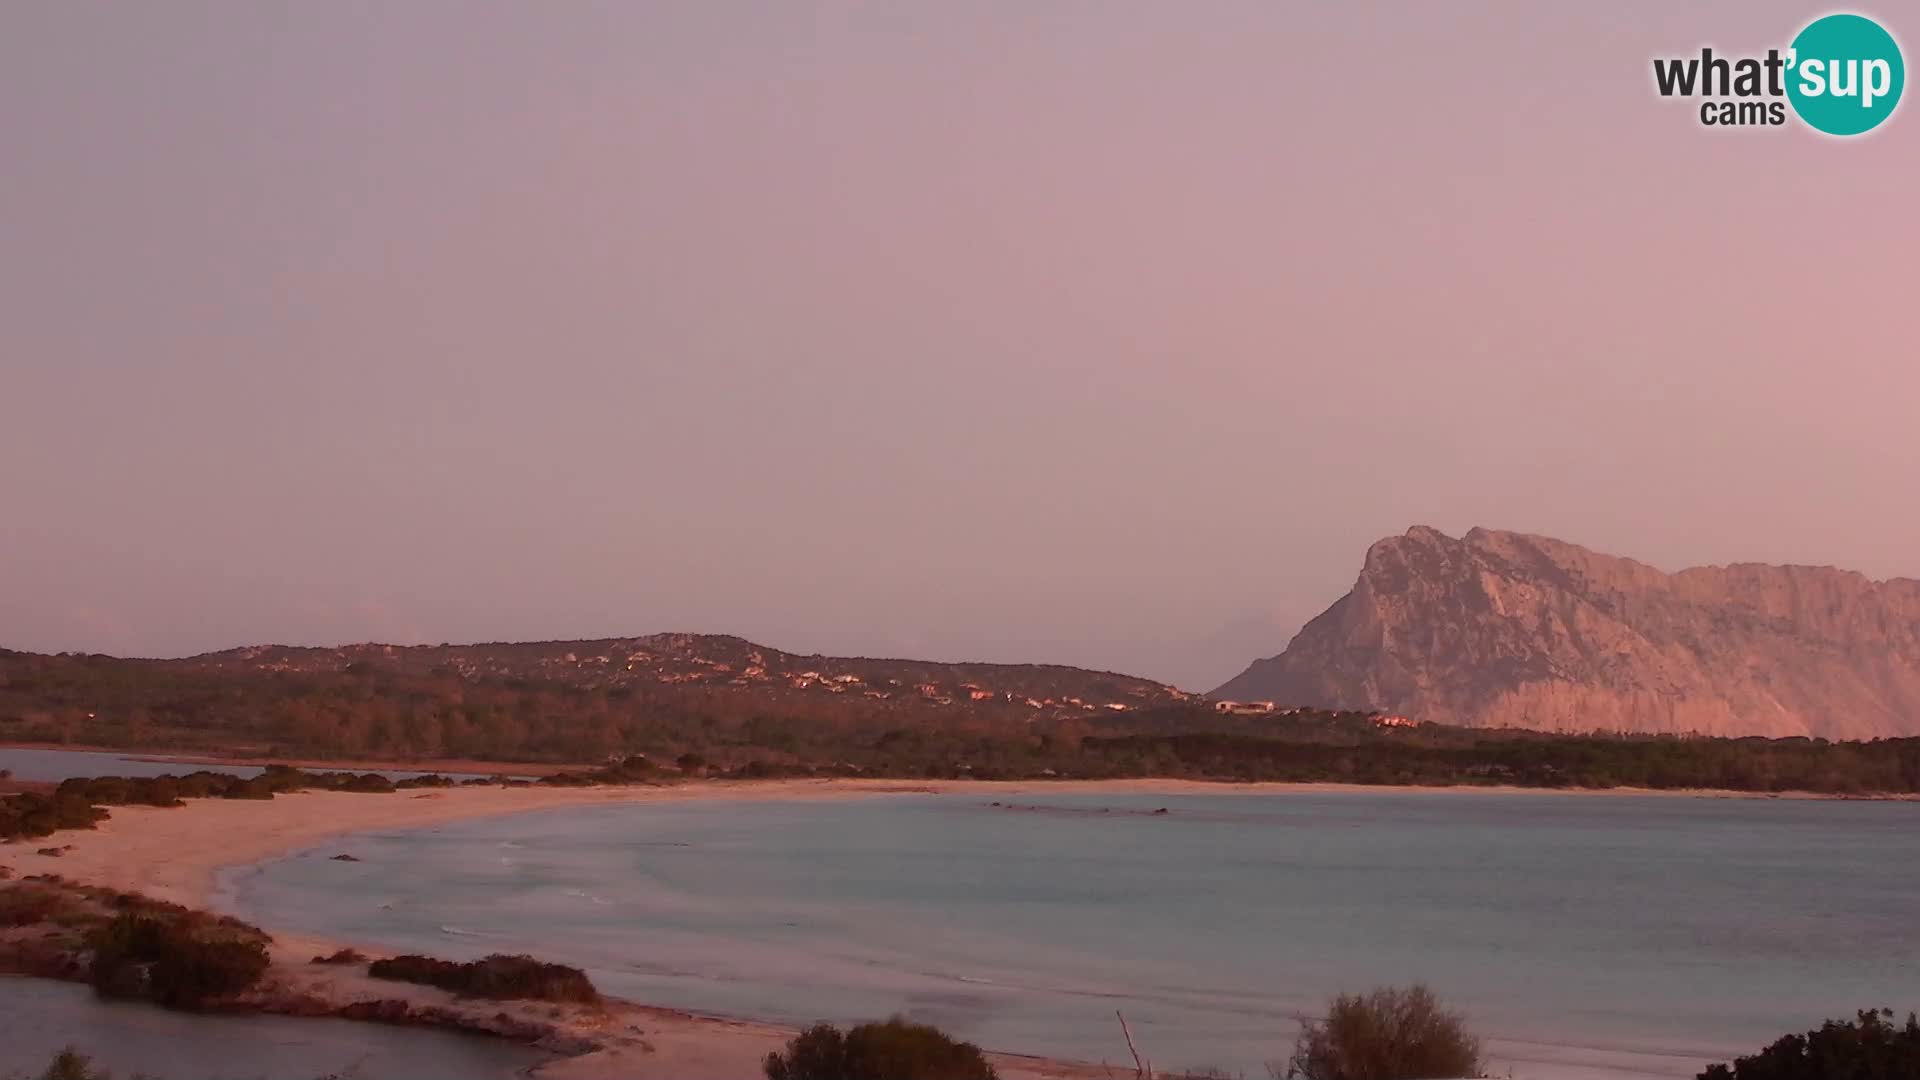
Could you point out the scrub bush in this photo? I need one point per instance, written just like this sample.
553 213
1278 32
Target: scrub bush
893 1050
180 961
497 976
1867 1048
1385 1034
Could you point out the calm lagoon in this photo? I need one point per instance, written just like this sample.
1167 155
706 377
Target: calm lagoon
1586 935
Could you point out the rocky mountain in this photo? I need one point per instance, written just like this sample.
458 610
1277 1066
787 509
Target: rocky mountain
1503 629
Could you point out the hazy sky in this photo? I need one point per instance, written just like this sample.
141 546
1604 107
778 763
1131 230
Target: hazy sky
1104 333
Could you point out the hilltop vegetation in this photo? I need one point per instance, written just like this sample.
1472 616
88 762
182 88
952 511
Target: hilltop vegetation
550 701
678 706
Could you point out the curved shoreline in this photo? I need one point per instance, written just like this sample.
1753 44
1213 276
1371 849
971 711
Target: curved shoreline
179 854
173 854
182 854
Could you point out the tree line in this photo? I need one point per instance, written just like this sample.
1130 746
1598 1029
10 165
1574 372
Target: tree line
377 713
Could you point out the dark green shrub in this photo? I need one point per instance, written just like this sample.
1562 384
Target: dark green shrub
76 814
24 816
498 976
893 1050
414 968
30 814
29 904
198 785
121 790
260 787
82 787
1868 1048
631 767
565 779
369 784
1385 1034
430 780
70 1064
180 961
162 791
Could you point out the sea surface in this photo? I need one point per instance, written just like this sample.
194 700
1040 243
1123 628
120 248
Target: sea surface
40 1017
33 763
1604 936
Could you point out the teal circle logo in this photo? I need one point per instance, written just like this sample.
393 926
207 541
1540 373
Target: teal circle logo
1845 74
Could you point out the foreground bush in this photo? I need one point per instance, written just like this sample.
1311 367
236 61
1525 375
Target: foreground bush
1869 1048
30 903
1386 1034
498 976
70 1064
894 1050
30 814
182 961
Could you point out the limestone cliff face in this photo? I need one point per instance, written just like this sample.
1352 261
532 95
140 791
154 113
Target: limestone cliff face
1501 629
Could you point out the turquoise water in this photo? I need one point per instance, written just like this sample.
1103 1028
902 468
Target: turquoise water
1646 934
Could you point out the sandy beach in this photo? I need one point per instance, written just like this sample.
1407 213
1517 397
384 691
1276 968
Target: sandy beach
176 854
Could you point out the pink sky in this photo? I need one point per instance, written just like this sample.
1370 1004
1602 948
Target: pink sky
1104 333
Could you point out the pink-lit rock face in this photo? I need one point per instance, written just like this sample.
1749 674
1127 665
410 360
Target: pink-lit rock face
1502 629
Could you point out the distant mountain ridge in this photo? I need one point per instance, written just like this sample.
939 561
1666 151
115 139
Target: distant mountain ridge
1505 629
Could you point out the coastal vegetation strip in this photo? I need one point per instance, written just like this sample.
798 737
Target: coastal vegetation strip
715 706
1414 757
133 947
501 977
81 802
